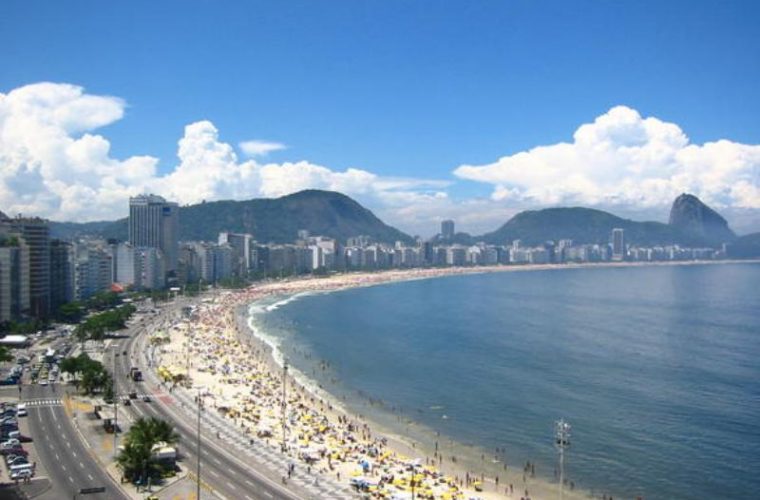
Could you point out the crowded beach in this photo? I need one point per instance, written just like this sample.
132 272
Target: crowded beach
212 348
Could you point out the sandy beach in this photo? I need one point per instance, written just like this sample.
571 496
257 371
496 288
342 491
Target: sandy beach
243 380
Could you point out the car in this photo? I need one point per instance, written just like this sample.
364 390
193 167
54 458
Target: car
146 398
9 448
11 442
21 410
19 453
126 402
42 381
16 460
22 473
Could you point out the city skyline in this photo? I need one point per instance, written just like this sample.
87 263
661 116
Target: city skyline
473 130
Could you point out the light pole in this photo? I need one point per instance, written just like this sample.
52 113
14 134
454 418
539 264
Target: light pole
561 441
115 404
284 402
198 469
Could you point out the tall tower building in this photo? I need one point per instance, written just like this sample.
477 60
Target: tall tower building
447 229
36 235
61 274
618 244
241 244
154 223
14 279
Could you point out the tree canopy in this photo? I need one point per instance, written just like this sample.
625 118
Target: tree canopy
137 459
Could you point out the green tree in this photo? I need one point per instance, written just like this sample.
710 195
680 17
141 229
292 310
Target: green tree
71 312
136 459
5 354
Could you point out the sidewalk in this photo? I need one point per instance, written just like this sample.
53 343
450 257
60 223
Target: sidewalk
100 444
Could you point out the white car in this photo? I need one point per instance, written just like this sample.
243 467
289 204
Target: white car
43 381
21 410
22 474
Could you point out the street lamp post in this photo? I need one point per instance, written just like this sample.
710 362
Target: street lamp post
115 404
561 441
198 469
284 402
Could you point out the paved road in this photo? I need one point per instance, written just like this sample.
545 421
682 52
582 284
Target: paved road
59 446
225 473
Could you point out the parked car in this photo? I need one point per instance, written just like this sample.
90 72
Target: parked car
16 460
21 410
11 442
5 450
22 471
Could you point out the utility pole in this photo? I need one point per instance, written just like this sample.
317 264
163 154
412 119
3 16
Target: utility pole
284 402
115 405
561 441
198 470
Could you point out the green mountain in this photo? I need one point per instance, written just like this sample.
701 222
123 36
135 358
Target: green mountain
747 246
275 220
585 225
696 219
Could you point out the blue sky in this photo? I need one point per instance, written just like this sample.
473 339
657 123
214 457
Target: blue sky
402 91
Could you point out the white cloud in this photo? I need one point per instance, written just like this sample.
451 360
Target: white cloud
260 148
52 165
623 159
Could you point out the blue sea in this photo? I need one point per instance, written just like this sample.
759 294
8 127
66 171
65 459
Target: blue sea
657 369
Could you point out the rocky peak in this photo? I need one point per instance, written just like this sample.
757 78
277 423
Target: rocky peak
693 217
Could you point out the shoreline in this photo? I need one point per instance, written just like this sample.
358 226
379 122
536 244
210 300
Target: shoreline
230 318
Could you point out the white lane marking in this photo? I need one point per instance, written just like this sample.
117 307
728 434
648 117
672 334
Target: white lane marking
216 461
55 417
249 498
231 486
213 473
72 481
57 457
81 465
249 483
91 478
74 453
63 467
268 494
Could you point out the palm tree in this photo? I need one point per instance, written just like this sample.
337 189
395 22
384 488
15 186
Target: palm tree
136 459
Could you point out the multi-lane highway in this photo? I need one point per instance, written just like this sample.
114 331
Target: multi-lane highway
228 472
230 468
69 463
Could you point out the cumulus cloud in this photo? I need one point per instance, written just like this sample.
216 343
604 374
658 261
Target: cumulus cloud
54 166
623 159
260 148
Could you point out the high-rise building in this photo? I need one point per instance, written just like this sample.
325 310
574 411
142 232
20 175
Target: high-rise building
154 223
447 229
92 270
36 234
61 274
618 244
241 245
14 279
125 257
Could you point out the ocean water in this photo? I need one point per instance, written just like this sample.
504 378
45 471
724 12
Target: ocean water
657 369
